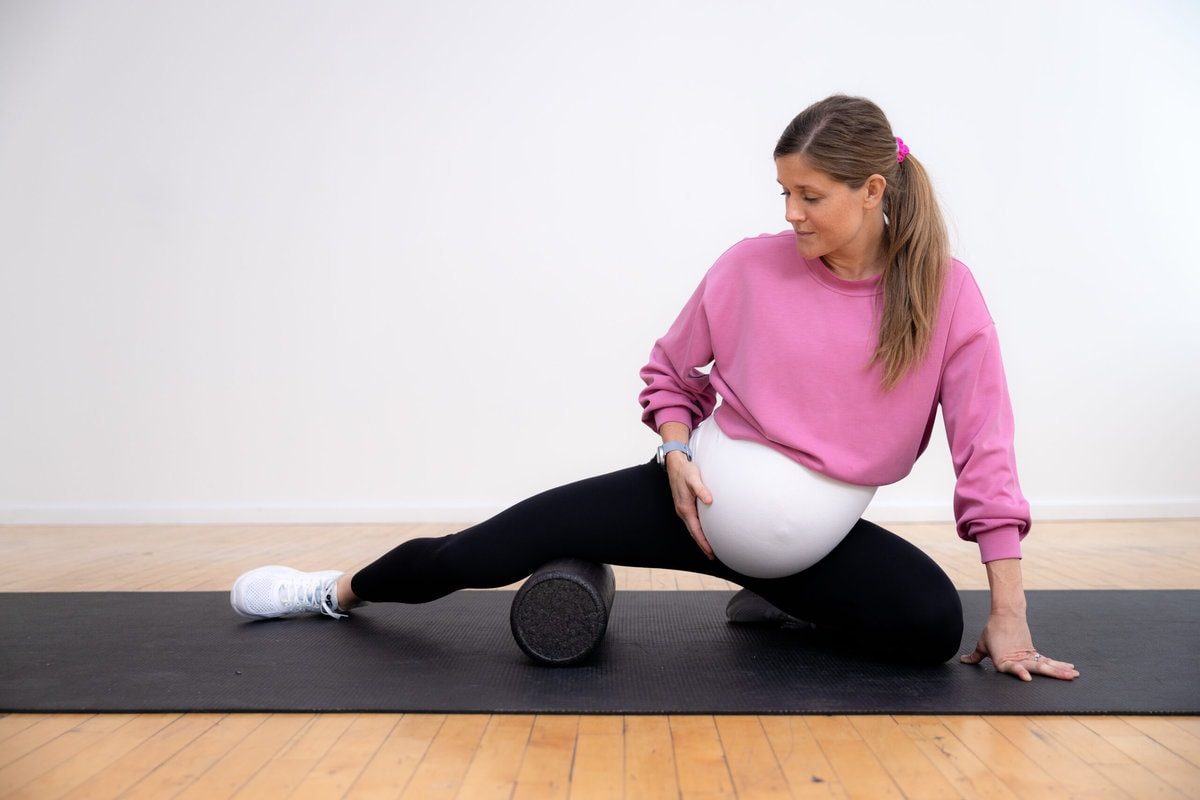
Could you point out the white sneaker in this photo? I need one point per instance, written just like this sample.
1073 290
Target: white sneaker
270 592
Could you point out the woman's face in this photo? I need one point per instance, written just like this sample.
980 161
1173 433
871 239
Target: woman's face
832 221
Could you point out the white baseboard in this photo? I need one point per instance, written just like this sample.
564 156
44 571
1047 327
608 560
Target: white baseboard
234 515
1053 510
365 515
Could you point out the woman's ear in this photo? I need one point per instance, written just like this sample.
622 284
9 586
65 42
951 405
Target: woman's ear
874 190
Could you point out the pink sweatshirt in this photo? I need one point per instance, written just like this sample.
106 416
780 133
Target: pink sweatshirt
790 346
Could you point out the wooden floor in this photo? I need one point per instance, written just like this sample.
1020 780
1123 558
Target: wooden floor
479 756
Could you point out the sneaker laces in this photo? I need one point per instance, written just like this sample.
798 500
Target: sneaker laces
310 595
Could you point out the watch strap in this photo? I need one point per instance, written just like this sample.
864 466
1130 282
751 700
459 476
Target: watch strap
670 447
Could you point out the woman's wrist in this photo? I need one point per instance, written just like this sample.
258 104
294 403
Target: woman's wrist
1007 587
674 432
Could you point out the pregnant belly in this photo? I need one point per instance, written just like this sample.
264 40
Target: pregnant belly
770 516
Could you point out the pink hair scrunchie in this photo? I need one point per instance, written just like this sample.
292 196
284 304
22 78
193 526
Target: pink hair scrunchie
901 150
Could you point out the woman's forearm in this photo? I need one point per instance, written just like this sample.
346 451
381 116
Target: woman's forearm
674 432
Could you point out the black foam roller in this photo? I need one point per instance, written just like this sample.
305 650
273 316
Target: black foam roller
561 611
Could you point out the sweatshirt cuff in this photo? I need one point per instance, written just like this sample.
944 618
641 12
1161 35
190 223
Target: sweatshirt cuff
999 543
673 414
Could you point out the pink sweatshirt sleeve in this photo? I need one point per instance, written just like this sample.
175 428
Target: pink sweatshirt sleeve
988 504
676 390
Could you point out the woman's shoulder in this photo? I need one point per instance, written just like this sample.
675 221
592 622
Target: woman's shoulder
784 241
764 249
960 278
962 300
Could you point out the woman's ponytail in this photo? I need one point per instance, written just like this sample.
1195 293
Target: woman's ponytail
918 252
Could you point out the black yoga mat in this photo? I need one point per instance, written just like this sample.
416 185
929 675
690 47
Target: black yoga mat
665 652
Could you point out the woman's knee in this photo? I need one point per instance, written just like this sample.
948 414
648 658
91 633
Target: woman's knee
930 629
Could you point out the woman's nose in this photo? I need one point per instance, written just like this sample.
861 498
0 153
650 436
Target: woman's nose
794 213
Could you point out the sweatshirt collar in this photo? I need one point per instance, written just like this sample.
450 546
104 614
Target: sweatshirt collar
868 287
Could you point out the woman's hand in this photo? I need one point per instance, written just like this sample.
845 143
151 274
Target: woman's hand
1007 642
686 489
686 486
1006 639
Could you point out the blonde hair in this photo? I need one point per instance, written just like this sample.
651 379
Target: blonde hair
850 139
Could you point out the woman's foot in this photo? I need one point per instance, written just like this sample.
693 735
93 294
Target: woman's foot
748 608
275 591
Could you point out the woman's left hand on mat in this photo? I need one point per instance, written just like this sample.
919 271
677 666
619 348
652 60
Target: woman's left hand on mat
1007 642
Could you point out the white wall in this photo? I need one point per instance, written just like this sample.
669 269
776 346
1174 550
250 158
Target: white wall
318 261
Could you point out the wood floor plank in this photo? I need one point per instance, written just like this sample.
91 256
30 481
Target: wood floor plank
497 763
1024 776
337 770
1139 783
227 776
138 764
970 777
392 766
191 762
599 767
834 727
752 764
1189 724
50 754
858 770
912 772
1165 732
15 725
47 728
1068 772
545 772
296 756
697 744
801 760
441 771
1170 767
650 769
1083 742
129 732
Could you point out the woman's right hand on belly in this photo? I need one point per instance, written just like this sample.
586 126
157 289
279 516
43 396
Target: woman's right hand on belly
686 489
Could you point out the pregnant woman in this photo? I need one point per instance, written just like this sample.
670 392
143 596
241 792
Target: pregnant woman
806 369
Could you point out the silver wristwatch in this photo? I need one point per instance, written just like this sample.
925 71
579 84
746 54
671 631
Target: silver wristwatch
668 447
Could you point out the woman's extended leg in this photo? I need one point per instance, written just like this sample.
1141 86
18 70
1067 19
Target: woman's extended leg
625 517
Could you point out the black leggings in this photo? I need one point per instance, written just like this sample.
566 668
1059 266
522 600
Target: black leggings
874 591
